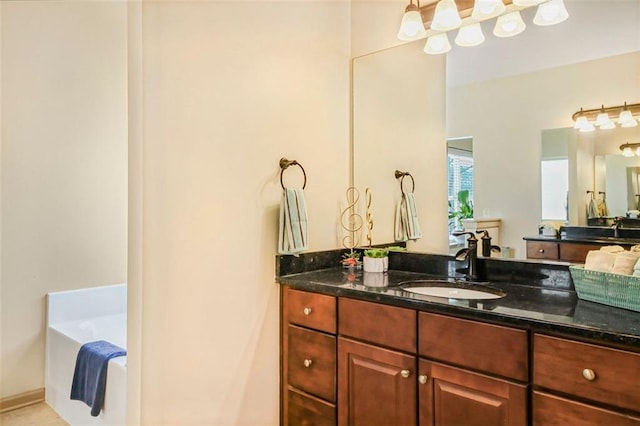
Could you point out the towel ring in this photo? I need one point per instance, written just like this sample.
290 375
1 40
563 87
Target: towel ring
284 164
401 175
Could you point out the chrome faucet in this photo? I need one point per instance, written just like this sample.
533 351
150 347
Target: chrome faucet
470 254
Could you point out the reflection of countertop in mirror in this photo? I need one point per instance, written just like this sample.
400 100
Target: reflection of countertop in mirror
545 302
625 242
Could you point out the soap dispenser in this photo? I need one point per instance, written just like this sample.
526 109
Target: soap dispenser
487 248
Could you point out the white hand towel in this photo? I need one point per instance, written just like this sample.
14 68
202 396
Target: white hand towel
407 226
625 262
598 260
292 235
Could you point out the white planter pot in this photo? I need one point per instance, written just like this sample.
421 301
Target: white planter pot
371 264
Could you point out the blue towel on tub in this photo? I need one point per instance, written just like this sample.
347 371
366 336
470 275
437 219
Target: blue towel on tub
90 375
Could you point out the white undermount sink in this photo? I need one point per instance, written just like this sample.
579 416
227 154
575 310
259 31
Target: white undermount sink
452 290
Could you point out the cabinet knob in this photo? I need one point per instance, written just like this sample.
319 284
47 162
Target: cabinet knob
589 374
307 363
541 251
306 311
405 373
423 379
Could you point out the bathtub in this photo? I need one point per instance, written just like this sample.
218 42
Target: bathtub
74 318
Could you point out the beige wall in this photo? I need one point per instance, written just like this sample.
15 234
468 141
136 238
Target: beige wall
63 166
229 88
505 118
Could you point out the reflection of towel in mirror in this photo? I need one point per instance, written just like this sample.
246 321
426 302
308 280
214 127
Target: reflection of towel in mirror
602 209
406 223
592 209
90 375
292 235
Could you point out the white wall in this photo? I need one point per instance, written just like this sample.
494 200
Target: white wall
505 117
64 156
229 88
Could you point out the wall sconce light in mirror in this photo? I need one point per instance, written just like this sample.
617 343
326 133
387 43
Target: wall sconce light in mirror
466 15
606 118
630 149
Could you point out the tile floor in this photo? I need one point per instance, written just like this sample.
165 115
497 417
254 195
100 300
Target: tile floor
34 415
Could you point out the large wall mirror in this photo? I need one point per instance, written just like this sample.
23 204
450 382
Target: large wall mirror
505 95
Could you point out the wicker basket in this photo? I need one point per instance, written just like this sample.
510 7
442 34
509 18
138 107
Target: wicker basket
621 291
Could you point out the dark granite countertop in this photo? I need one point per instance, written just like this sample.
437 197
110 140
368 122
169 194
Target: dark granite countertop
545 303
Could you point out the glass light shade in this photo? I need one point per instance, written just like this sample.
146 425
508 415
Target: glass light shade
602 119
587 128
487 9
631 123
509 25
627 151
526 3
436 44
581 122
446 16
625 116
608 126
411 27
638 151
470 35
551 13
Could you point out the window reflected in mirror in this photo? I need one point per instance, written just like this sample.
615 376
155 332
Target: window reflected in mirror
460 187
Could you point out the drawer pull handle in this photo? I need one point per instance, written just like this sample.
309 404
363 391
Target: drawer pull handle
589 374
405 373
307 363
541 251
423 379
306 311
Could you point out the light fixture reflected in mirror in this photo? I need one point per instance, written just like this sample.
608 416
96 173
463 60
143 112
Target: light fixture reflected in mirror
630 149
606 118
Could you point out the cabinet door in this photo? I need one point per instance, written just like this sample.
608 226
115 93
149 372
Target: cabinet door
451 397
375 386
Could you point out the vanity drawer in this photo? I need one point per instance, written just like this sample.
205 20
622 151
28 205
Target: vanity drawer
308 410
311 363
384 325
550 410
317 311
589 371
480 346
542 250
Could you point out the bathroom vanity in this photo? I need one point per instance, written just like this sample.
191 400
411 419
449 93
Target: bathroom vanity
356 354
575 242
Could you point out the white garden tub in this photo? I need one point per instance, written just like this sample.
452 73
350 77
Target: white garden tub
74 318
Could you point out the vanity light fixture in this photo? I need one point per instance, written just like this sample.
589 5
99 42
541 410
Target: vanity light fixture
630 149
606 118
436 18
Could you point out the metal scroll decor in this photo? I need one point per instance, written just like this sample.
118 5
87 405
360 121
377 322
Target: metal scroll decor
350 220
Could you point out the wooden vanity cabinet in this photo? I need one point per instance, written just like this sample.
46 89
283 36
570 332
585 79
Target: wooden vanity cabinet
471 373
376 364
308 351
581 383
560 251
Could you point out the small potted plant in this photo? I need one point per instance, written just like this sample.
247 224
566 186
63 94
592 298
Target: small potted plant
351 260
376 260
